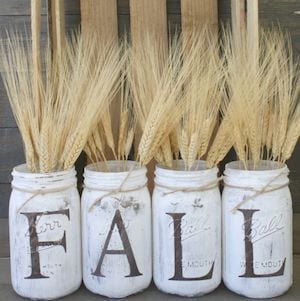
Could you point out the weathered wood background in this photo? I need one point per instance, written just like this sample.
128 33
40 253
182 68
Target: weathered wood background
15 14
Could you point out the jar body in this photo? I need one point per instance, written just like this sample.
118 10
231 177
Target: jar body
116 231
44 228
257 236
186 232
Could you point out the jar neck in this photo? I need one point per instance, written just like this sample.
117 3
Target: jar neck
266 173
198 177
131 176
24 179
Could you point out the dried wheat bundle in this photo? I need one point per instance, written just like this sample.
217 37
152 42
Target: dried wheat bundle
157 78
102 136
261 107
203 92
56 109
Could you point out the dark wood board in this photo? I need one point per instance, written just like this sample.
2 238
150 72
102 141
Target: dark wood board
11 152
5 190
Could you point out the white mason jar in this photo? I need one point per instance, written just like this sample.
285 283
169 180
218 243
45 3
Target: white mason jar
257 230
44 228
186 230
116 229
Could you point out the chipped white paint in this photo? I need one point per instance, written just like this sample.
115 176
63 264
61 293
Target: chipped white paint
261 228
126 216
38 215
193 220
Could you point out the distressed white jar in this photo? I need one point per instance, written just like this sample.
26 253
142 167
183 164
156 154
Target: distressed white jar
257 233
186 230
116 229
44 228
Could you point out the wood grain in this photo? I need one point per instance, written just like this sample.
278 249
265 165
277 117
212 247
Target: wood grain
56 25
148 17
22 7
238 17
100 17
252 25
6 116
36 51
5 190
196 13
11 152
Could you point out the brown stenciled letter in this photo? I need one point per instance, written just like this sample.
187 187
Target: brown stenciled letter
118 221
178 275
35 243
249 251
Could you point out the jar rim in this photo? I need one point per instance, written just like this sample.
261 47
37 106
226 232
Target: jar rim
264 166
22 170
199 166
101 167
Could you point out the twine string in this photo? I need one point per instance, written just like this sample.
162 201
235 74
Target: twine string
37 192
257 193
208 186
113 191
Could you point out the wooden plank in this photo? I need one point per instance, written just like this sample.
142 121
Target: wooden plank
22 24
282 13
6 116
101 17
56 25
4 243
296 233
11 152
5 190
238 18
22 7
148 17
36 53
266 7
196 13
252 26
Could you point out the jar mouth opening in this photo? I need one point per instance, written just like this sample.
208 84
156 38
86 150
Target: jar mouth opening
23 169
261 166
114 166
178 165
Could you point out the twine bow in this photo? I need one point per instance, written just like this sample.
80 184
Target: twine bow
257 192
208 186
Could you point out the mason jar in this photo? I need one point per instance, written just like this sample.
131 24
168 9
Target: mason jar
116 229
257 229
187 230
44 228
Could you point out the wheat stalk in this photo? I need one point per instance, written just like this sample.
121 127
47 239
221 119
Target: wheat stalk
262 99
122 147
203 93
73 92
159 97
